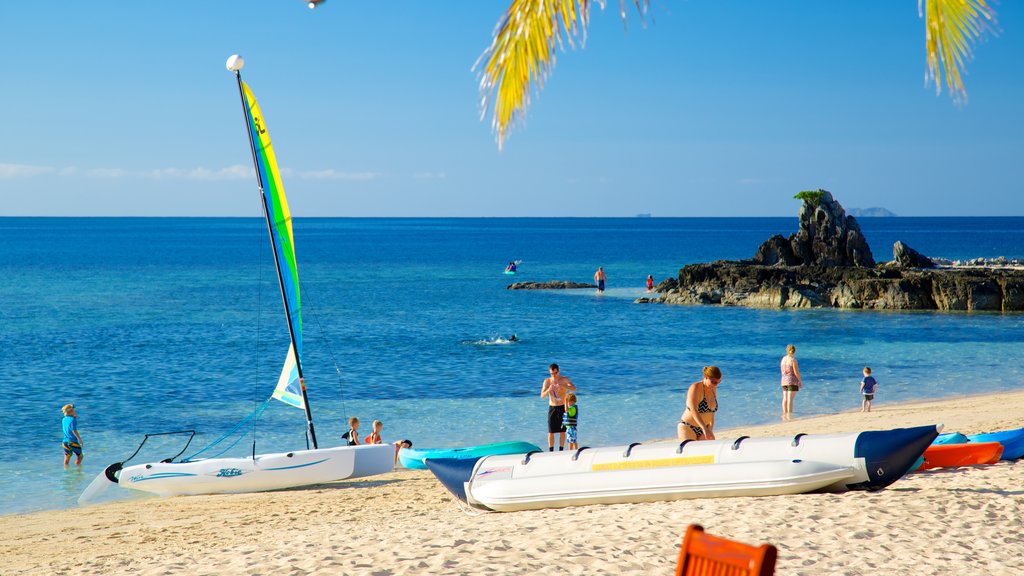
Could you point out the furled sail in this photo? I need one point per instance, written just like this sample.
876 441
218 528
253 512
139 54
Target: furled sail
289 387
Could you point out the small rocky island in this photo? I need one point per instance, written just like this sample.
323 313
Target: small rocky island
550 285
828 263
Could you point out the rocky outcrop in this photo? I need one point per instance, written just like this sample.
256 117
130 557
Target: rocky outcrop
907 257
739 284
827 237
828 263
550 285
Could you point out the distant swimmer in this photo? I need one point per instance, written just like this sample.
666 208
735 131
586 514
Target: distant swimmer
494 341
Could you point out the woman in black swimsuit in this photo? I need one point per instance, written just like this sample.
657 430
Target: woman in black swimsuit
698 420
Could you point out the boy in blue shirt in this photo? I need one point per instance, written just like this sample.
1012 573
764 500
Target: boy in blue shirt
570 420
867 390
72 441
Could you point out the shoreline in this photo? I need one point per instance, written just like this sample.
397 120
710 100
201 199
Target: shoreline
404 522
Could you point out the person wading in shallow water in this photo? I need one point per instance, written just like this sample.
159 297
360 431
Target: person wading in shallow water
554 389
599 277
792 382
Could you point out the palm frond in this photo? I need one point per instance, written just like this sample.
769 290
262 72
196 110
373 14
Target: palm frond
522 54
952 27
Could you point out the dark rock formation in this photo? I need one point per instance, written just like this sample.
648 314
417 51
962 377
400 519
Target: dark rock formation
739 284
776 251
828 263
907 257
828 237
551 285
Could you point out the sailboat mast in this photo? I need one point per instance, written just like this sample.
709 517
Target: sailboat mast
277 262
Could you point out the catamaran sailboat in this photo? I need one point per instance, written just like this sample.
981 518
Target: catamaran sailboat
260 472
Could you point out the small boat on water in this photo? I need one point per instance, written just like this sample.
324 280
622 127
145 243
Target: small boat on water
669 471
416 457
965 454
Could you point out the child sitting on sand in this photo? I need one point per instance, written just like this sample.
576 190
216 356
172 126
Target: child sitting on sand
867 389
353 432
374 437
570 419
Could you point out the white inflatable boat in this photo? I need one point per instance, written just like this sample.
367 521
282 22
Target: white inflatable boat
670 471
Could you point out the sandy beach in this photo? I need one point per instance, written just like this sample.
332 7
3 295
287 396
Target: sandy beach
945 521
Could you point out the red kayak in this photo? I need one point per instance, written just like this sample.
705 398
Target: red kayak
968 454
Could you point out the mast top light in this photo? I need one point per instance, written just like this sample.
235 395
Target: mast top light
235 63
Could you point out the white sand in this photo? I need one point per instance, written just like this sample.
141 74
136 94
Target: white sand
950 521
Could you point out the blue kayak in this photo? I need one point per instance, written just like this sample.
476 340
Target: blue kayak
953 438
414 457
1012 441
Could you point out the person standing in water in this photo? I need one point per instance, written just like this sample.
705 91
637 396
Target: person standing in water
599 277
72 440
650 283
554 388
792 382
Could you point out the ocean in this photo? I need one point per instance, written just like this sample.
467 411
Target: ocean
164 324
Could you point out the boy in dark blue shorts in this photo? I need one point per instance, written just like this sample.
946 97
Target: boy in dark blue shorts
867 390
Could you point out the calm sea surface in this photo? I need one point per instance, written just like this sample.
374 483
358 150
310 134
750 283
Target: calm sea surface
152 325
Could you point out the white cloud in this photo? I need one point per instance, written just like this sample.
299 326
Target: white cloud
235 172
106 172
10 171
332 174
430 176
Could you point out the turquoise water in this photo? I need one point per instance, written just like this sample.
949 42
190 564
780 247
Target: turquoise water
152 325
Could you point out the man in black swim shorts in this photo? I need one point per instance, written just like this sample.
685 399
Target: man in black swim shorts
554 388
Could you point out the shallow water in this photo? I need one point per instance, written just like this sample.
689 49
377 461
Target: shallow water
152 325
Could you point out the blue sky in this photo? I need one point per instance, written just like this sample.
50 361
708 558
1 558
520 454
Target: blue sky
717 108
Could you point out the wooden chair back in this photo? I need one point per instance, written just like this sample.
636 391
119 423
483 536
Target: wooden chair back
705 555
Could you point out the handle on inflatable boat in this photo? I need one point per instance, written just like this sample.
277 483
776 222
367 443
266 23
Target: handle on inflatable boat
796 439
528 454
577 454
630 449
681 444
736 444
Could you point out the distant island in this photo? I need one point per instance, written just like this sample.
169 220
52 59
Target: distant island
875 212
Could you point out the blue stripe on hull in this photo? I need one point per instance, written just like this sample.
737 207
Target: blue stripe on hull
298 465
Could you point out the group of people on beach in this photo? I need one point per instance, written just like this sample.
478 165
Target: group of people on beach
698 419
696 423
352 436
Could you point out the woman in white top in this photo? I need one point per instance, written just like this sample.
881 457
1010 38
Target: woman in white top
791 381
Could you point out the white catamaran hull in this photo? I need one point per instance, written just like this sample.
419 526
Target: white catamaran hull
262 473
670 471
